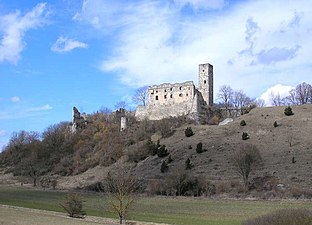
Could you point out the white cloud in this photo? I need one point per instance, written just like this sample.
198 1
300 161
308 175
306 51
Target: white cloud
158 42
64 44
201 4
13 27
40 108
15 99
279 89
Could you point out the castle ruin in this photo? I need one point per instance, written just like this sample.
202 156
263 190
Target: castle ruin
79 121
179 99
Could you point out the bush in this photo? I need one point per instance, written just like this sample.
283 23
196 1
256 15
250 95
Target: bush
162 151
188 164
73 206
245 136
283 217
243 123
152 148
199 148
275 124
164 167
188 132
288 111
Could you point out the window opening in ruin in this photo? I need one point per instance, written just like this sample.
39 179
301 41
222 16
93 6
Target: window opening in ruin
186 94
165 90
203 70
180 95
170 89
171 96
165 96
156 97
156 91
205 81
180 88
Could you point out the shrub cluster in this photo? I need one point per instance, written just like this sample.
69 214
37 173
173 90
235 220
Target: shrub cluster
178 183
275 124
243 123
188 132
199 148
162 151
188 164
245 136
288 111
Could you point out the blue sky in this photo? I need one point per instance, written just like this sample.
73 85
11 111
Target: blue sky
92 53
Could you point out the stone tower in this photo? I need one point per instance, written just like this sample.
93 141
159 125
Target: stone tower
123 123
205 82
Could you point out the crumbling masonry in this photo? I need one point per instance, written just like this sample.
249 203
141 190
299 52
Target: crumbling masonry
179 99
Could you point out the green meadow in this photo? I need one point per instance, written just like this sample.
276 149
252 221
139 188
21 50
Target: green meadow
184 211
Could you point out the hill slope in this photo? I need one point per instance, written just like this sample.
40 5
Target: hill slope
286 150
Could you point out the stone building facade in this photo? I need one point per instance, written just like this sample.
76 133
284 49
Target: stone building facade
179 99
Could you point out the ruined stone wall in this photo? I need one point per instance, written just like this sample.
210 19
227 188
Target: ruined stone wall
169 94
171 100
165 111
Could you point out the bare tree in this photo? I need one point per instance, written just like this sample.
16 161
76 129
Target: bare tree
140 96
225 96
300 95
241 100
245 160
259 102
121 105
121 187
276 99
105 110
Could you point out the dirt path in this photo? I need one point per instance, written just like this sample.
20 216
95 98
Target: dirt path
11 215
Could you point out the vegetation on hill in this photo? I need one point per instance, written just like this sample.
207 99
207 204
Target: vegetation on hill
59 151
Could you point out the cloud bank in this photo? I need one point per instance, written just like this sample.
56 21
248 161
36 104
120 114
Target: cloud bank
157 41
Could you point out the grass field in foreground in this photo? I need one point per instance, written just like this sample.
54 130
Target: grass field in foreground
184 211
